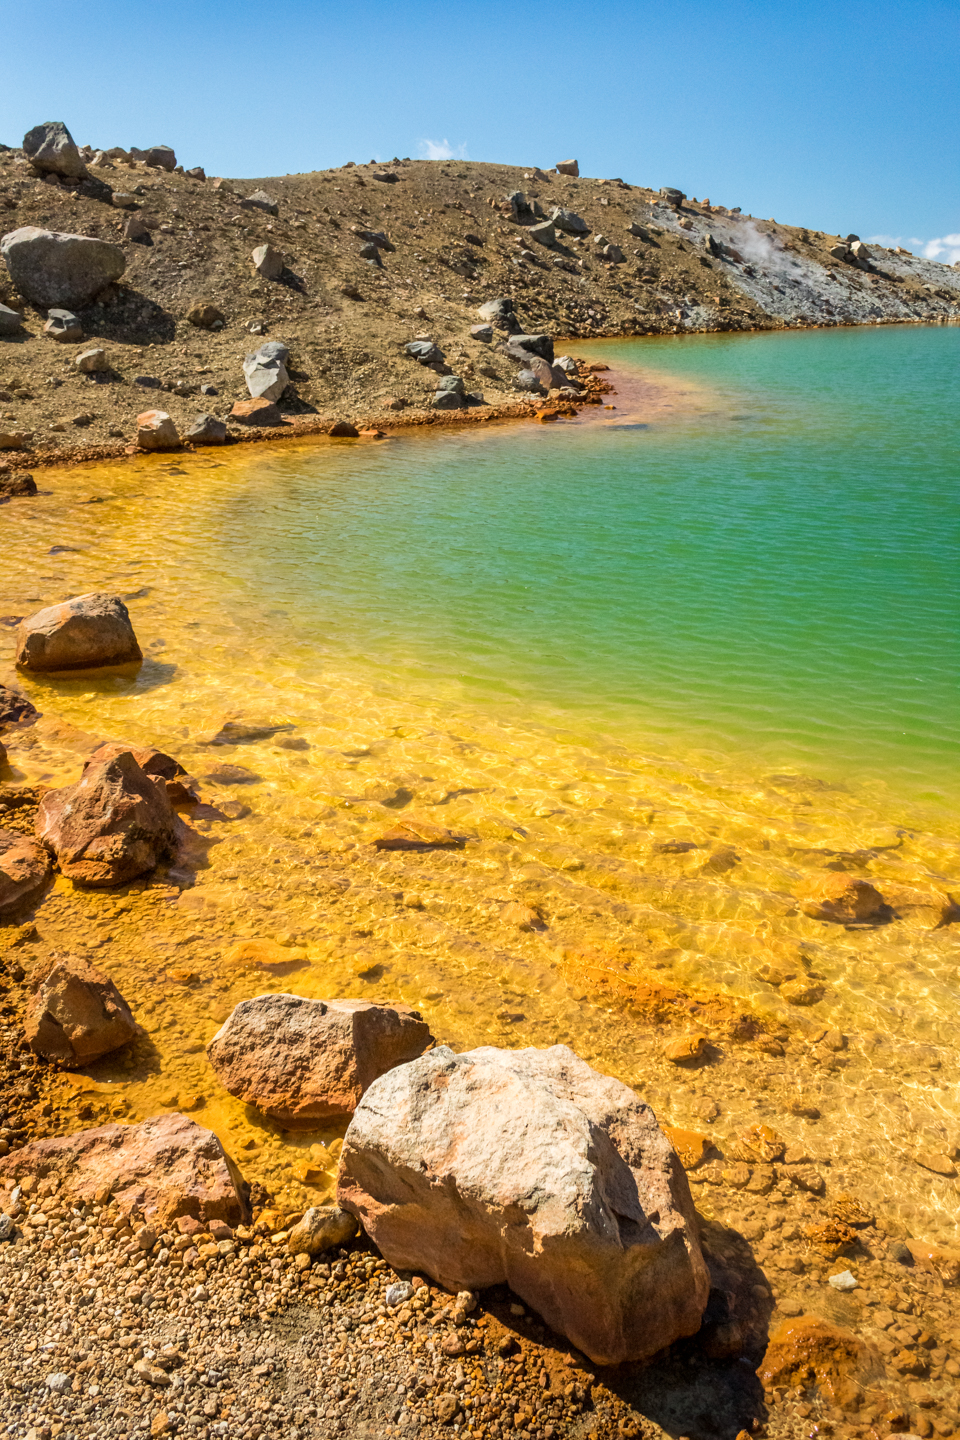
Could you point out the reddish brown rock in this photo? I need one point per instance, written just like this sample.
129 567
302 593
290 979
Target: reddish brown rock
81 634
343 430
938 1258
691 1147
114 824
157 431
840 898
304 1062
256 412
527 1167
811 1352
165 1167
77 1014
923 909
152 762
24 871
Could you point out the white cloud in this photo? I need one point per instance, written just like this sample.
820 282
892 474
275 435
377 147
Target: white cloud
945 248
442 150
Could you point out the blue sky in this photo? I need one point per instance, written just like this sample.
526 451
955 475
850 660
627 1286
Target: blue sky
844 117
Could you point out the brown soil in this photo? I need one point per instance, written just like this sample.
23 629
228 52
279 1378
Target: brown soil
347 321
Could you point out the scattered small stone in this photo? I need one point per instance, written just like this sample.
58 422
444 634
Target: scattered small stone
843 1281
205 315
91 362
260 200
206 430
63 325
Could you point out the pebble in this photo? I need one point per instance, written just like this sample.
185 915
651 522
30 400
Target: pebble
843 1281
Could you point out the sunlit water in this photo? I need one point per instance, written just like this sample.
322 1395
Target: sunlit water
731 624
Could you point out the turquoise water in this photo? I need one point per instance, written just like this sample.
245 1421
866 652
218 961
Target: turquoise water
774 576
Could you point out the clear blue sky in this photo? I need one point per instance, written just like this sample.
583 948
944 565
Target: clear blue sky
837 115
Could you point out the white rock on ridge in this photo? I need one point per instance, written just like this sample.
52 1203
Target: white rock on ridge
529 1168
51 150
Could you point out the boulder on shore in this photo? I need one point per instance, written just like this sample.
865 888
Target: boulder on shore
303 1062
164 1167
76 1014
256 412
265 371
116 823
156 430
81 634
322 1227
24 870
51 150
49 268
529 1168
206 430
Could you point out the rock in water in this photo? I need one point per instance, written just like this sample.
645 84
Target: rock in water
265 371
49 268
77 1014
24 871
165 1167
305 1061
51 149
82 634
114 824
16 709
529 1168
16 482
840 898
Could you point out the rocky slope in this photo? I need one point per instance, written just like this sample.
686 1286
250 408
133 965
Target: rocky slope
446 237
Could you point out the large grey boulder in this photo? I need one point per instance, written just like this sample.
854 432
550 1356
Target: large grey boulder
544 233
568 221
81 634
529 1168
260 200
10 321
50 148
161 157
206 430
672 196
265 371
49 268
522 345
304 1062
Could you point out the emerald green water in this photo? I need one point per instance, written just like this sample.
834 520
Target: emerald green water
775 576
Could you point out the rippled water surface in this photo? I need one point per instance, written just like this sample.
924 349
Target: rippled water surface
656 668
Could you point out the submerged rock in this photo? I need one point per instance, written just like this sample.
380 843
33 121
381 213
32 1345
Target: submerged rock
86 633
840 898
116 823
77 1014
305 1061
529 1168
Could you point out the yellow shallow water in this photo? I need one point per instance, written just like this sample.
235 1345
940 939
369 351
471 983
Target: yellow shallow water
560 819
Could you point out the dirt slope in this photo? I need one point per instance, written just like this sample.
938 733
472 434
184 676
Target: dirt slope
693 268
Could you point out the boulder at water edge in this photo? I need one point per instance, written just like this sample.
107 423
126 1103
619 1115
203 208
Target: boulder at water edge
165 1167
49 268
156 430
51 149
529 1168
303 1062
24 870
116 823
81 634
77 1014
